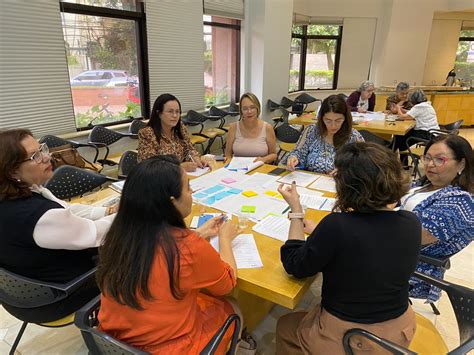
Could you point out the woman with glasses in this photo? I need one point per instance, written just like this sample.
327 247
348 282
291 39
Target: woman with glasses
316 148
166 134
444 204
363 99
42 237
399 100
251 136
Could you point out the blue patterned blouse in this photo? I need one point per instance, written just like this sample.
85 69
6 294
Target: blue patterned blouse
448 215
314 153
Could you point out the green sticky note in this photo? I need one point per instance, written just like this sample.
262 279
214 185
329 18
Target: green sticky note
248 209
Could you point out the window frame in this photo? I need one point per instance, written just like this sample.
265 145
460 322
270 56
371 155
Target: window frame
304 47
236 27
139 17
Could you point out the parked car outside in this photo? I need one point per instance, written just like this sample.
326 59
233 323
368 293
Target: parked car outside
102 77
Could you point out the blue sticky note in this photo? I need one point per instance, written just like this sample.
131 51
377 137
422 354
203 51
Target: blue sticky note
203 219
210 200
221 195
213 189
235 191
200 195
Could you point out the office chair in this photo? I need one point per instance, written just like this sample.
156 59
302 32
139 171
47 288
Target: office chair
134 127
371 137
303 99
415 148
23 292
233 110
102 137
98 342
70 181
127 163
287 135
427 339
194 118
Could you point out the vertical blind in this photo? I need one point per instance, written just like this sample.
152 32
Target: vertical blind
35 90
176 51
224 8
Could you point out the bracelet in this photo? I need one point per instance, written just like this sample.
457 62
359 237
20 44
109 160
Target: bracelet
296 215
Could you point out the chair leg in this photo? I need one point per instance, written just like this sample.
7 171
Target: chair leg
435 309
18 337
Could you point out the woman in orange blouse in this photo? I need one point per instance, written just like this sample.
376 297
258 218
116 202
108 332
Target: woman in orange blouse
166 134
152 268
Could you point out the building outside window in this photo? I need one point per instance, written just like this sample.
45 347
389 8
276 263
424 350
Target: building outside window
464 64
102 49
314 57
221 60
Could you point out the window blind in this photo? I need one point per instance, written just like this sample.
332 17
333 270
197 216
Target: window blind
224 8
176 51
35 90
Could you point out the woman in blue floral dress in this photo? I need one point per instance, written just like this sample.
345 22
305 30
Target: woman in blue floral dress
316 148
444 205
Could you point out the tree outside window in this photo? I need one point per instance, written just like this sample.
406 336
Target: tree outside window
464 64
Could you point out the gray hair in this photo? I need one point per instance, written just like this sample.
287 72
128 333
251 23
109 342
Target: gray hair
402 86
365 85
417 96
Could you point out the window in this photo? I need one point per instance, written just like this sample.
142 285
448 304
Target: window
464 65
102 49
221 60
314 57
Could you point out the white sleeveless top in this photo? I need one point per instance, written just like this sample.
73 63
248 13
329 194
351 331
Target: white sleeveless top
250 147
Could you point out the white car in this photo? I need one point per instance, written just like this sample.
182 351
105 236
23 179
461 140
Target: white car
103 77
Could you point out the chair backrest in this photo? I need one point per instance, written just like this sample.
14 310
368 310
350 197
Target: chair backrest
22 292
272 105
194 118
233 109
215 111
135 126
392 348
98 342
70 181
371 137
462 301
53 141
305 98
104 135
286 133
286 102
127 162
454 126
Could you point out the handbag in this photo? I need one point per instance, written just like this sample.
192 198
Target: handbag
67 155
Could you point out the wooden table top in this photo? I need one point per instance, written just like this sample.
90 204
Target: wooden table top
397 128
271 282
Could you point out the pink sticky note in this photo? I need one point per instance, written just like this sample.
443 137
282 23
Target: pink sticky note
228 180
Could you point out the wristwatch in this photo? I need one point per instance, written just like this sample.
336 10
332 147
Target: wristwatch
293 215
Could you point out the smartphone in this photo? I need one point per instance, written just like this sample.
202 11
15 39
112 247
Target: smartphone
276 171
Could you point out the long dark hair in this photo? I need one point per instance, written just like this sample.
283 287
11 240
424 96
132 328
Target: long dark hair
369 177
155 121
461 150
336 104
12 154
143 226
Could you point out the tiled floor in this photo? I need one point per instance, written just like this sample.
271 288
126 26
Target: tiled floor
67 340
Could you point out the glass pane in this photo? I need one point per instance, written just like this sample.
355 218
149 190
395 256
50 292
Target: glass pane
129 5
467 33
320 56
295 60
464 65
102 62
297 29
220 63
324 30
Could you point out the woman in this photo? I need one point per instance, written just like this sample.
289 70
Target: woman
425 117
399 100
316 148
42 237
251 136
152 268
166 134
363 99
366 253
444 205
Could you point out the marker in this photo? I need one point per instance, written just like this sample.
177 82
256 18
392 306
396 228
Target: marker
285 210
191 157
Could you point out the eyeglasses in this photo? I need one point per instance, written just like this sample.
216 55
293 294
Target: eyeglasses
39 155
173 112
248 109
437 161
329 122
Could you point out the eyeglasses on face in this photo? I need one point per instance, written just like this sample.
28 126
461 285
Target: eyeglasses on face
248 109
437 161
39 155
173 112
329 122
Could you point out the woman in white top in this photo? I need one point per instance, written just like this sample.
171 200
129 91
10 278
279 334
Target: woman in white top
251 136
42 237
425 117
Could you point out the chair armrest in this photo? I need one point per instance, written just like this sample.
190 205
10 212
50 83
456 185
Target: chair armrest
74 284
431 280
444 263
211 347
463 348
387 345
81 317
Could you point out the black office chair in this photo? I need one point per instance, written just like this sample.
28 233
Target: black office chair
103 137
69 181
287 135
54 142
371 137
22 292
128 161
134 127
233 110
100 343
451 128
462 300
416 147
286 102
194 118
303 99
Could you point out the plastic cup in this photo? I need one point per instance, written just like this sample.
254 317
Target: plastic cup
243 221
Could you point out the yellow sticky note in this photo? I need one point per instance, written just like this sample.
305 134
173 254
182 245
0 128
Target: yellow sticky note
249 193
271 193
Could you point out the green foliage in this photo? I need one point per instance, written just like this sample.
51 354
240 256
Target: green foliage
323 30
327 74
313 78
297 29
72 60
465 71
208 62
101 116
220 98
461 52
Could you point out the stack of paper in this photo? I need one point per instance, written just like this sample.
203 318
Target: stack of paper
274 227
199 171
244 163
325 183
245 251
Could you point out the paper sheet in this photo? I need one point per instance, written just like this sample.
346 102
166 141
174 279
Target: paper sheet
312 201
244 163
199 171
274 227
301 178
325 183
245 251
118 186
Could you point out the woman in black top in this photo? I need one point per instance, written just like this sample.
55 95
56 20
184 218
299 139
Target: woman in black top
367 253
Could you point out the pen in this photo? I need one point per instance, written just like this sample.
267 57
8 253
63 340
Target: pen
285 210
191 157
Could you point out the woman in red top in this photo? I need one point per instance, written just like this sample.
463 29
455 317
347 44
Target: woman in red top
153 269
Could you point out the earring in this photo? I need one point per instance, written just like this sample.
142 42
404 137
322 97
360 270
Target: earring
459 172
18 180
